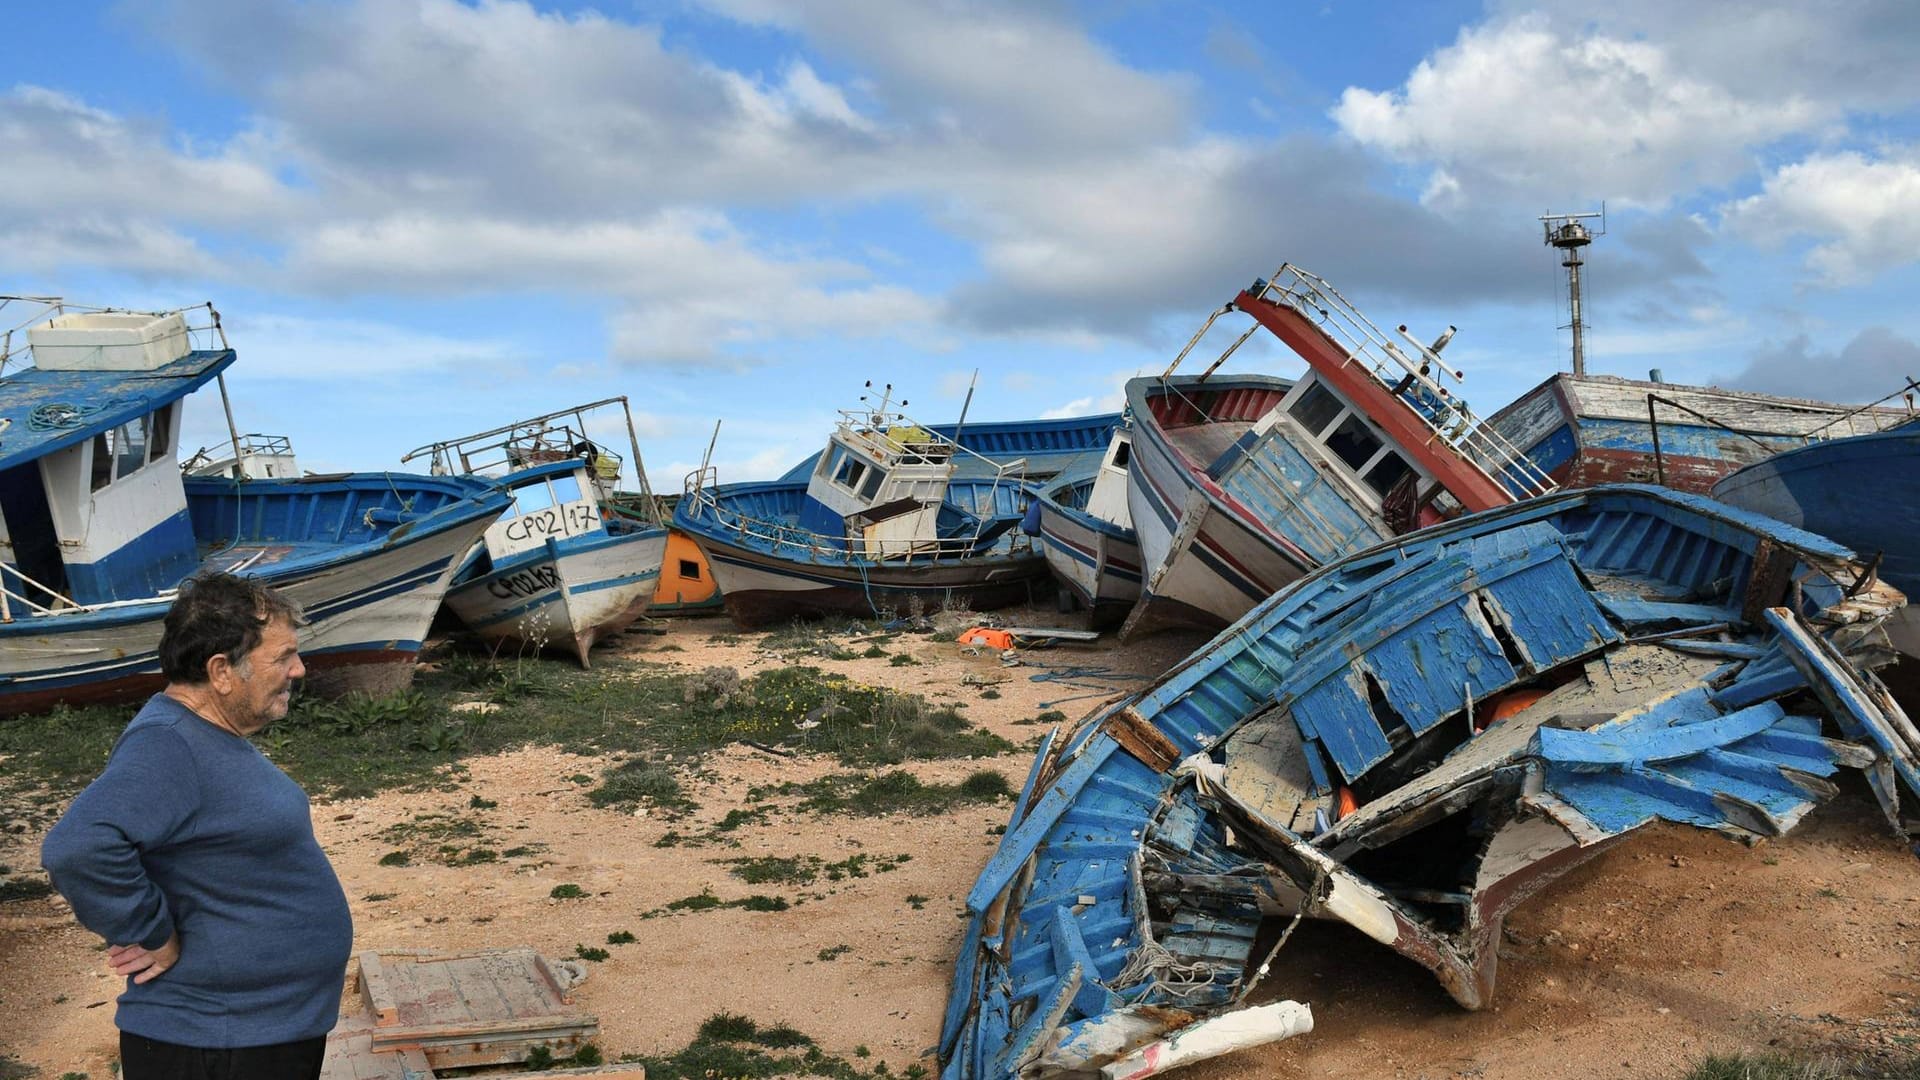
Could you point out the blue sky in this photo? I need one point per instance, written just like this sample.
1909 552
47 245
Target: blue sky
424 217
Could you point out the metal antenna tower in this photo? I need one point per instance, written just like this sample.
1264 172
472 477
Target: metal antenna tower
1565 232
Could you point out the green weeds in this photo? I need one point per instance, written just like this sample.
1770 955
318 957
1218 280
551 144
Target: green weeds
892 792
639 781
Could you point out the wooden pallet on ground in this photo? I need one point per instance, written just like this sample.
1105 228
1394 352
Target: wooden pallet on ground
409 1013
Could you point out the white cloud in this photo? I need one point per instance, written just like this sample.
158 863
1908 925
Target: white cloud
1516 109
299 348
1864 214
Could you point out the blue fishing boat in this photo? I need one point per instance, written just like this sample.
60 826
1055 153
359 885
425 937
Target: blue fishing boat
1086 529
892 516
98 526
1241 483
1412 740
1863 492
572 561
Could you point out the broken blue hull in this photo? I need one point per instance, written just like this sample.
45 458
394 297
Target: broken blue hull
1626 655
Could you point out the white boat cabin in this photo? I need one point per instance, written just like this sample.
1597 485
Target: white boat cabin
92 507
1358 453
550 502
882 488
259 457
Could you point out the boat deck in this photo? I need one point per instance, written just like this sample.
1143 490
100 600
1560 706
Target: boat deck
1202 444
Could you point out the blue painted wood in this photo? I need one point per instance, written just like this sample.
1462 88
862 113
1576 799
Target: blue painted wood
1636 613
1021 841
1679 727
1070 953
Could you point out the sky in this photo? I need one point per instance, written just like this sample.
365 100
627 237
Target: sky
424 218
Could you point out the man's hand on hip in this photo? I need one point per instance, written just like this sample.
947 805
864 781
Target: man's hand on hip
143 964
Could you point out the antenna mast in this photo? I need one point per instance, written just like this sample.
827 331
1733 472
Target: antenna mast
1565 232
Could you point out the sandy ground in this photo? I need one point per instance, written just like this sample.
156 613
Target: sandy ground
1672 945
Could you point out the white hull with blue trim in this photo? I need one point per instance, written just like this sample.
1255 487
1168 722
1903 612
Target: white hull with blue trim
566 594
98 527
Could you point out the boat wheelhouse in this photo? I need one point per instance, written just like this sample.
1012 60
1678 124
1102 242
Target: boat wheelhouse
1242 483
572 561
98 525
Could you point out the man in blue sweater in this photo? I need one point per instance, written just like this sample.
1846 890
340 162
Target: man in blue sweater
194 857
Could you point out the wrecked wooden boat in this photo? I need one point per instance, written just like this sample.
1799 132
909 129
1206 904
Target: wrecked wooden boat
1086 530
572 561
98 526
1413 740
1242 483
892 515
1583 430
1863 492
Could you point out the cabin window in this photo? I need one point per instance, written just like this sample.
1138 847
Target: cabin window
872 487
852 472
1316 408
689 569
566 488
160 433
1387 472
130 448
1353 443
102 460
533 497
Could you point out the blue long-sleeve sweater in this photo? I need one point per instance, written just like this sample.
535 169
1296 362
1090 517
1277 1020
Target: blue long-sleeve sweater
190 830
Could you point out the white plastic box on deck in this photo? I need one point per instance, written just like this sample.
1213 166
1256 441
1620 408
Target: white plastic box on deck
109 341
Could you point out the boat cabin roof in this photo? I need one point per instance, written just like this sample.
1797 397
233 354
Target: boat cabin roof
114 397
522 477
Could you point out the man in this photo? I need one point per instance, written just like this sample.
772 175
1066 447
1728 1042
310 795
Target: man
194 857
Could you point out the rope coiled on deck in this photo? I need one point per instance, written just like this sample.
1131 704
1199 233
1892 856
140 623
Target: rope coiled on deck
60 416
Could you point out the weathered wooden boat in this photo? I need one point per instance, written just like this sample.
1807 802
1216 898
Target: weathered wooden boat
1583 430
1863 492
1242 483
98 526
1413 740
572 561
1086 530
891 517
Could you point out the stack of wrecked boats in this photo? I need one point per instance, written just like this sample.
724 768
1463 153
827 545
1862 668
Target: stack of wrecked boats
98 526
1413 739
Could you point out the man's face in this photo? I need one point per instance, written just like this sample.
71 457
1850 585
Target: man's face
265 677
